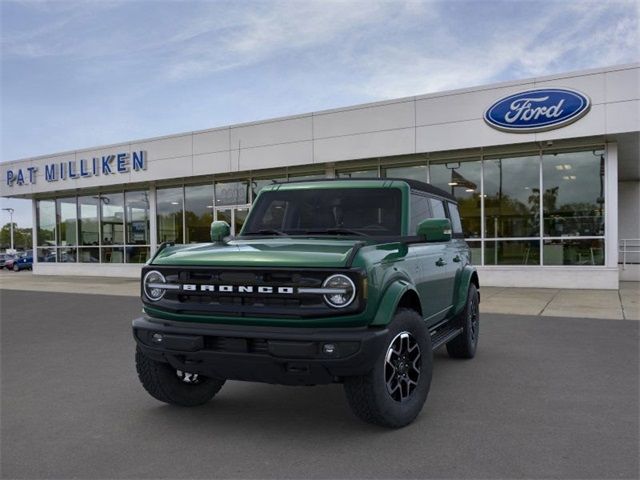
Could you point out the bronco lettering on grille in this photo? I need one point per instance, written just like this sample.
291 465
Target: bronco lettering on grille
190 287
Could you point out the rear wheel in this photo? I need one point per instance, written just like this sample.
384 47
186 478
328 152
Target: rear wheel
393 392
465 344
16 268
165 383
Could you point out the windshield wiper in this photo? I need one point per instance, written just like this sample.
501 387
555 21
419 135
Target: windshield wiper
337 231
268 231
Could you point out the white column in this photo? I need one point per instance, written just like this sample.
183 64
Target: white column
153 234
611 204
34 231
330 170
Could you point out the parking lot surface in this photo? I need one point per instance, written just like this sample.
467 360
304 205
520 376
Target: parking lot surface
544 398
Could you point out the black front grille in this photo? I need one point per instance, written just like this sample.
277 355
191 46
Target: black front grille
254 304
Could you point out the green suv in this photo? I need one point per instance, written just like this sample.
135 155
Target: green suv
333 281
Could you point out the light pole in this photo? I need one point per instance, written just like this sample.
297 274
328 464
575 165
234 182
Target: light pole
10 210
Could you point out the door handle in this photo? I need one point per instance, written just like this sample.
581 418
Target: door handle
441 262
456 258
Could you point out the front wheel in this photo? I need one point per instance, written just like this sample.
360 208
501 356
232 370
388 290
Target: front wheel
393 392
172 386
16 268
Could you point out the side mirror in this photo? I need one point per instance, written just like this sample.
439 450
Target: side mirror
219 230
435 229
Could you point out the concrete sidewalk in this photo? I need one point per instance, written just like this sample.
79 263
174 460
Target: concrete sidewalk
611 304
549 302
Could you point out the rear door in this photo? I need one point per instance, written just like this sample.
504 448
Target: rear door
446 264
461 257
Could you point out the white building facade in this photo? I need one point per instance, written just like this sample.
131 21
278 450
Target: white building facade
548 192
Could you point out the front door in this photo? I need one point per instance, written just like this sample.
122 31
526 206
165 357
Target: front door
435 278
235 216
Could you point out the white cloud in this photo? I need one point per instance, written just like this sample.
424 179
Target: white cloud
261 33
527 47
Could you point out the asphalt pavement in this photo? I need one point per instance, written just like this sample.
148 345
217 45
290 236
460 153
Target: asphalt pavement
544 398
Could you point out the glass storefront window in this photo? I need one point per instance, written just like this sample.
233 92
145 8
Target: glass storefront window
232 193
476 251
67 255
112 255
413 172
258 184
169 211
46 222
462 180
89 254
88 233
198 212
137 217
112 218
115 228
512 197
357 173
240 215
573 198
573 251
46 255
224 215
67 217
137 254
512 252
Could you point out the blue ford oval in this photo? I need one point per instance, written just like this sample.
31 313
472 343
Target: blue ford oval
537 110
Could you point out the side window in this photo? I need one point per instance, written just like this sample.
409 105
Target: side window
437 207
456 223
420 210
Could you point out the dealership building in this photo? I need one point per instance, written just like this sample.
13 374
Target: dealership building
546 171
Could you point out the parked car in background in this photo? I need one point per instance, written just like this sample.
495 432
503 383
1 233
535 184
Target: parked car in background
23 262
4 257
7 260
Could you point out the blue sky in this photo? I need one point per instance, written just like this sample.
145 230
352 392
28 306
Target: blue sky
82 74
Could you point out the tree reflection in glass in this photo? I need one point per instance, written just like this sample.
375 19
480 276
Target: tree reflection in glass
574 193
512 197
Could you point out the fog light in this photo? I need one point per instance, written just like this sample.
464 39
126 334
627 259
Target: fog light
329 348
156 338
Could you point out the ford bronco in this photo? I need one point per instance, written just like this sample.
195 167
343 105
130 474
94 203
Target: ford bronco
347 281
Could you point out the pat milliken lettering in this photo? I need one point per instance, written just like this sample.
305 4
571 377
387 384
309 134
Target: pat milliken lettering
105 165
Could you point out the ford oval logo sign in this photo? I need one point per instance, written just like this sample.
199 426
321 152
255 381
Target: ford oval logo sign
537 110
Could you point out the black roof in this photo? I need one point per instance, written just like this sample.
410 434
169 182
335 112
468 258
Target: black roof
427 188
413 184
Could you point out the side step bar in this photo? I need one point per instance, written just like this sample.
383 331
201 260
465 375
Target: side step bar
440 337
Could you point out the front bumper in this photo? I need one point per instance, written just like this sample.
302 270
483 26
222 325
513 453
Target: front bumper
289 356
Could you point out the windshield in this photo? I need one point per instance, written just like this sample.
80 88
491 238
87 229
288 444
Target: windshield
335 211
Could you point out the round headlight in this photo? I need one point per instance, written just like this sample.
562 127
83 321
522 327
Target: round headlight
151 283
344 291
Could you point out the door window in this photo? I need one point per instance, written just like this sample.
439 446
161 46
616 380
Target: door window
437 207
456 223
420 210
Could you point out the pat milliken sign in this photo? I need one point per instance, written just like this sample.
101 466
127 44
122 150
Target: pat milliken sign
537 110
115 164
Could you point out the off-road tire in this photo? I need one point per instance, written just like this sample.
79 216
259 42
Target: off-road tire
368 396
163 383
465 344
